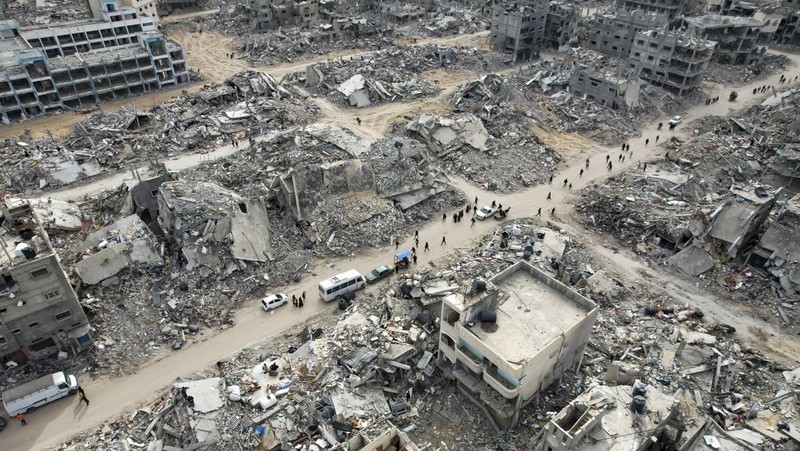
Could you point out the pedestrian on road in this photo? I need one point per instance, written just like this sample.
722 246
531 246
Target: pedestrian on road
469 208
644 168
608 157
396 245
358 119
570 186
300 303
476 200
587 163
460 215
444 217
553 211
416 233
82 396
610 166
294 300
414 258
647 141
472 222
548 195
21 419
619 158
303 296
551 180
661 124
580 174
539 211
623 147
455 217
427 248
444 240
754 90
494 204
657 136
628 147
565 183
416 241
623 158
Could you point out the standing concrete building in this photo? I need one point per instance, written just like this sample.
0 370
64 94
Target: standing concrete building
612 33
275 14
740 40
48 68
671 60
606 86
39 311
561 26
507 340
518 28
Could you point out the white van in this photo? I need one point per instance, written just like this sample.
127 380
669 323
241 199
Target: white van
339 284
38 392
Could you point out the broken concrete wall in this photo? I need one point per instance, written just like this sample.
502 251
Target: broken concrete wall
304 187
250 230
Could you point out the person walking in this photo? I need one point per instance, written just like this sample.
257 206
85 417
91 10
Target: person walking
82 396
294 300
565 183
416 234
551 180
300 303
647 141
628 147
21 419
608 157
587 163
610 166
427 248
416 241
472 222
644 168
396 244
413 251
444 217
661 124
539 211
580 174
570 186
553 211
303 296
444 240
414 258
358 119
476 200
549 196
657 136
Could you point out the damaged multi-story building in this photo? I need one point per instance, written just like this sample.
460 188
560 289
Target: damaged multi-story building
672 8
81 63
508 339
399 12
518 28
740 40
275 14
39 310
612 33
610 87
671 60
561 26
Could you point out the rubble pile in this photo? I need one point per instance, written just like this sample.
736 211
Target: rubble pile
450 19
503 156
247 103
730 74
275 47
29 13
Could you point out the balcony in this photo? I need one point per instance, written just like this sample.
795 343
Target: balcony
469 359
499 383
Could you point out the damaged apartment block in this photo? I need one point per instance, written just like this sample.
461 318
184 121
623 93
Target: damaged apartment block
612 33
507 340
671 60
39 311
75 64
518 28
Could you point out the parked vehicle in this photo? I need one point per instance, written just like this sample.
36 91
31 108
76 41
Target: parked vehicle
38 392
402 259
676 120
379 273
273 301
345 282
485 212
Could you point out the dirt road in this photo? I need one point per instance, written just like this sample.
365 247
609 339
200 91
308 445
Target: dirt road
55 423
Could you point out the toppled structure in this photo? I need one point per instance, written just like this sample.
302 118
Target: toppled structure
198 215
777 250
740 40
504 341
735 222
39 311
100 62
443 135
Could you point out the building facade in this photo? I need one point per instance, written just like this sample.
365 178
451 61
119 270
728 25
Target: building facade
671 8
506 340
84 62
740 40
599 86
39 310
561 26
671 60
519 28
613 33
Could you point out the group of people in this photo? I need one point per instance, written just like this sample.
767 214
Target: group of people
298 301
81 396
709 101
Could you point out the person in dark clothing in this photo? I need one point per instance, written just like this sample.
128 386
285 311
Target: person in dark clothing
82 396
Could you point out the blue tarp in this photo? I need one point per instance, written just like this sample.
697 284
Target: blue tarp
401 255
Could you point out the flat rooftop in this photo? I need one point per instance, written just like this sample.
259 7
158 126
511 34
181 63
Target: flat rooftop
717 21
530 314
21 228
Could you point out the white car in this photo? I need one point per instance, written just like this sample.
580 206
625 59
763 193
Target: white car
273 301
485 212
676 120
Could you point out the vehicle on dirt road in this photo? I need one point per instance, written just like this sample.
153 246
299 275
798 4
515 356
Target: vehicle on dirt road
676 120
485 212
38 392
379 273
339 284
273 301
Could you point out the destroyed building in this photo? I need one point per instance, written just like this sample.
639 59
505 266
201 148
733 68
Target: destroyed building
200 216
74 64
778 249
612 33
399 12
740 40
788 31
518 28
609 87
507 339
672 8
39 310
276 14
620 417
671 60
561 26
736 221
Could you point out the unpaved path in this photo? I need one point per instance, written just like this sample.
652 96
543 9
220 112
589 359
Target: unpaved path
55 423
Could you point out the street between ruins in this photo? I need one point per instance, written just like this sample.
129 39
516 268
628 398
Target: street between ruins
112 397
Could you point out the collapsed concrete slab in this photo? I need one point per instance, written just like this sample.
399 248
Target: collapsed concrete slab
57 214
444 135
124 244
692 260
